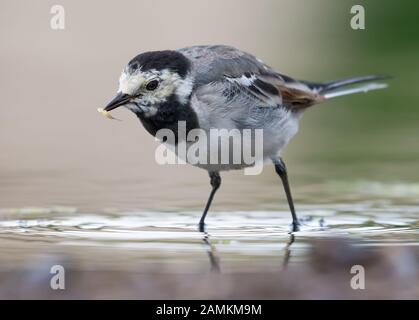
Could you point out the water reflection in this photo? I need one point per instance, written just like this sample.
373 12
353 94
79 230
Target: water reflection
233 241
214 259
287 254
238 251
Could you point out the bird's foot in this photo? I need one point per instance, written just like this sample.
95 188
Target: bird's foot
295 226
201 226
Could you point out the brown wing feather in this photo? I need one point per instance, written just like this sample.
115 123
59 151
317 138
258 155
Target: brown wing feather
297 99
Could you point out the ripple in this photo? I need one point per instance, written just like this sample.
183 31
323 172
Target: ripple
235 241
363 220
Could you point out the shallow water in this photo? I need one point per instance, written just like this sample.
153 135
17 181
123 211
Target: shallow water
136 247
261 237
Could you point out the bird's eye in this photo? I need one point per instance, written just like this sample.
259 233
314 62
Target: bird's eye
152 85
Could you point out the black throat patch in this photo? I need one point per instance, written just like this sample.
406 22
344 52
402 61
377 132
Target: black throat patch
168 116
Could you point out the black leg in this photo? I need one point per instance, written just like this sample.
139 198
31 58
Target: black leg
215 183
281 170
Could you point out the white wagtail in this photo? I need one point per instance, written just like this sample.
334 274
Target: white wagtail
222 87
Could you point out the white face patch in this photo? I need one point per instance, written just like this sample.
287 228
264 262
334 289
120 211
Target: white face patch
130 83
170 82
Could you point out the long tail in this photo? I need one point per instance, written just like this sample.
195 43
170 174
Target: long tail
348 86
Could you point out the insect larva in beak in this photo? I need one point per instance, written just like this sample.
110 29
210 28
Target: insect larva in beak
106 114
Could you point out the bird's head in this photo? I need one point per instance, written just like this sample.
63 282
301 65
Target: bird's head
150 79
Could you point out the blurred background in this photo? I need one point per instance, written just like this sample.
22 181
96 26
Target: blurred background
58 156
56 149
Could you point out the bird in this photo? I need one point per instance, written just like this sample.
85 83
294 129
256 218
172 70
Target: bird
221 87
